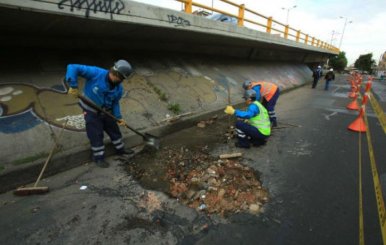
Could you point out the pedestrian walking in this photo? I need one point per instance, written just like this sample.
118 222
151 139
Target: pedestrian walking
316 74
104 89
257 129
330 76
268 93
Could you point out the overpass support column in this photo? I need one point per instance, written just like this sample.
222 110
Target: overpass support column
286 31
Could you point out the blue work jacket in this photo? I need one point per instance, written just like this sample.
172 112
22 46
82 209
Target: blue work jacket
97 87
257 90
251 111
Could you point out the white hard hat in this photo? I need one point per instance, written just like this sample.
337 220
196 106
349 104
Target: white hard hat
319 67
331 69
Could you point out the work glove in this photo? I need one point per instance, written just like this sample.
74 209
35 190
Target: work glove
121 122
229 110
74 92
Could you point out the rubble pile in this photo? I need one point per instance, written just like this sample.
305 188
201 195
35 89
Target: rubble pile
212 185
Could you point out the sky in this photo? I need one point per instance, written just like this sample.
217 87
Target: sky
364 32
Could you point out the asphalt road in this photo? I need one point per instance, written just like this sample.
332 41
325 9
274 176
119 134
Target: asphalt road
310 171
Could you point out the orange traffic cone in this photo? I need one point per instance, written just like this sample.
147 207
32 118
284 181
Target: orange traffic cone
353 93
353 105
359 123
368 86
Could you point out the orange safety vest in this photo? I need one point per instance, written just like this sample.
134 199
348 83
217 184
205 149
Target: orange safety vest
267 90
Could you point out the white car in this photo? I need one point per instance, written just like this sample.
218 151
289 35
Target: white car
223 18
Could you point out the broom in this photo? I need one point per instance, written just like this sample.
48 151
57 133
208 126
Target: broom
24 191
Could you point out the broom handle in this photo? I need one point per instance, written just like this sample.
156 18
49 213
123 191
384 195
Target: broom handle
50 155
229 94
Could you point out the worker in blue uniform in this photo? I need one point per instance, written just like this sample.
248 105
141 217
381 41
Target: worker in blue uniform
103 88
257 127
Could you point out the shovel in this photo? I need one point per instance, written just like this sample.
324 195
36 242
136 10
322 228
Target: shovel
149 139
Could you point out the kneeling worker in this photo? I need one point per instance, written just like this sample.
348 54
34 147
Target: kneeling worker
258 127
104 89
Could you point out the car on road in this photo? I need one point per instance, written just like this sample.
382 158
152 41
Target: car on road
223 18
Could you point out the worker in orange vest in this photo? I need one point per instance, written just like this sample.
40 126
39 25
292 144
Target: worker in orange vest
268 93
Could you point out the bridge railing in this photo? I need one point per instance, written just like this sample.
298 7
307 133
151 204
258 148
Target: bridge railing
262 23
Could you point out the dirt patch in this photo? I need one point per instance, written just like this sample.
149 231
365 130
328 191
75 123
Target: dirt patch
200 180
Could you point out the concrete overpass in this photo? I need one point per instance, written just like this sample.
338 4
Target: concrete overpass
181 60
135 27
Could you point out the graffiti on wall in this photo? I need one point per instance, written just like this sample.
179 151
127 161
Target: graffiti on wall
105 6
178 21
23 106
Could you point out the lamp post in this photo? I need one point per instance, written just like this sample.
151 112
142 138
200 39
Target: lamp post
344 28
288 10
332 36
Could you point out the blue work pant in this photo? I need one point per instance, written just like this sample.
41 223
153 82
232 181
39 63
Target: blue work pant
315 82
96 124
327 84
247 134
270 106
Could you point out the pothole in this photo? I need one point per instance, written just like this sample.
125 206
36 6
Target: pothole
199 180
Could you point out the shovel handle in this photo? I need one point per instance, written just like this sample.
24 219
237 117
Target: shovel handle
91 104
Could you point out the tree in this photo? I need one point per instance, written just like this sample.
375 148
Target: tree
338 62
365 62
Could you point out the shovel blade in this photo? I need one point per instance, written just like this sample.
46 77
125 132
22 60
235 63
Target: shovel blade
152 141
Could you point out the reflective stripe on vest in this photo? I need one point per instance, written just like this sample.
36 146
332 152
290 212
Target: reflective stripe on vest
267 90
261 120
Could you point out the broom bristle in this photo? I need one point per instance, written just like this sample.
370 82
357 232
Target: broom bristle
25 191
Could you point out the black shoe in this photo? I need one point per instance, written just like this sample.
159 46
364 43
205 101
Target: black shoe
102 163
274 124
257 144
237 144
123 152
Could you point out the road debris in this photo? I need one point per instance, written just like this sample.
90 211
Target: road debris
207 183
231 155
203 124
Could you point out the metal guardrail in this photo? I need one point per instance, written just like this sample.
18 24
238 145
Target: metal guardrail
267 23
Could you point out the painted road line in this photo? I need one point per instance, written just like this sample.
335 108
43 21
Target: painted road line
377 185
378 111
361 229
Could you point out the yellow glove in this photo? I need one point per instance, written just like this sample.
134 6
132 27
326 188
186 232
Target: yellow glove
229 110
121 122
74 92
